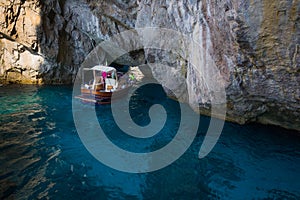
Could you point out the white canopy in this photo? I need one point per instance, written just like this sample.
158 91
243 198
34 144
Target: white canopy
101 68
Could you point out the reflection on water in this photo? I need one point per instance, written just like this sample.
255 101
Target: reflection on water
42 155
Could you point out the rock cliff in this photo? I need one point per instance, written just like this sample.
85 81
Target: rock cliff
254 44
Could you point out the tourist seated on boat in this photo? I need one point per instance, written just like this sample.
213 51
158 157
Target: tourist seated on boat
86 86
110 84
98 83
101 80
101 84
89 84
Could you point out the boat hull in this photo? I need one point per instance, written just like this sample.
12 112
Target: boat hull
101 97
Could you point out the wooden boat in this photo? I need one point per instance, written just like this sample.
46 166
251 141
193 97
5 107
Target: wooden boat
102 85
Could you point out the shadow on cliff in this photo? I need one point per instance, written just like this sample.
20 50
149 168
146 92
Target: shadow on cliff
61 45
68 32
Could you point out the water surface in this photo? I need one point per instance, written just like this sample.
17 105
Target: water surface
41 155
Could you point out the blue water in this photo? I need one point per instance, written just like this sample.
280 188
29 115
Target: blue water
42 156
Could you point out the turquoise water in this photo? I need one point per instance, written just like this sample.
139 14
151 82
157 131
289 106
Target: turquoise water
43 157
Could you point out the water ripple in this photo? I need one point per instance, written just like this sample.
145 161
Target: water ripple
42 156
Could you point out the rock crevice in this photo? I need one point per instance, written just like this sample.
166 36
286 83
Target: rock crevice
253 43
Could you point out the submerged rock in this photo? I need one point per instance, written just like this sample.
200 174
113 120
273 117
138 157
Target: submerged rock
254 45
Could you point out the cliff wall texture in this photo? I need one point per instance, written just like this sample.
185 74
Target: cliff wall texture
254 44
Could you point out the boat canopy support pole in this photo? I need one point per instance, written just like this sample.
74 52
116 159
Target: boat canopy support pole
82 74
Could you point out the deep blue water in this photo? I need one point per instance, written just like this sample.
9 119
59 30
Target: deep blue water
42 156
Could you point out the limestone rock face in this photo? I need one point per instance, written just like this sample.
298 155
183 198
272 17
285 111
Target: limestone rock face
253 46
46 41
19 56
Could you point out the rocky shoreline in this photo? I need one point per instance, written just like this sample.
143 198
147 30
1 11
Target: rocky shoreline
254 44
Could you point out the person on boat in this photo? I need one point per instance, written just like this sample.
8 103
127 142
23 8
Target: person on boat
131 78
101 80
104 75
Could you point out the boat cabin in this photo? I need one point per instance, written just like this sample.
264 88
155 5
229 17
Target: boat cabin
104 78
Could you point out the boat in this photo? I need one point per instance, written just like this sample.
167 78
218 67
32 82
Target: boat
101 83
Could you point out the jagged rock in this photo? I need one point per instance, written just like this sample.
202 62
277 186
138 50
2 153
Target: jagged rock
55 36
253 44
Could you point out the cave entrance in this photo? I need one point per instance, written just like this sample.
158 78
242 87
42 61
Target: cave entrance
119 67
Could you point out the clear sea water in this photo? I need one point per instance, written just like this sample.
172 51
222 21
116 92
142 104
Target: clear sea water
41 155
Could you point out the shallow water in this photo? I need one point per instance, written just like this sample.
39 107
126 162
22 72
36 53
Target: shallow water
42 155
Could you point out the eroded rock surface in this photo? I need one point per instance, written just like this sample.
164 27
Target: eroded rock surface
253 44
46 41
